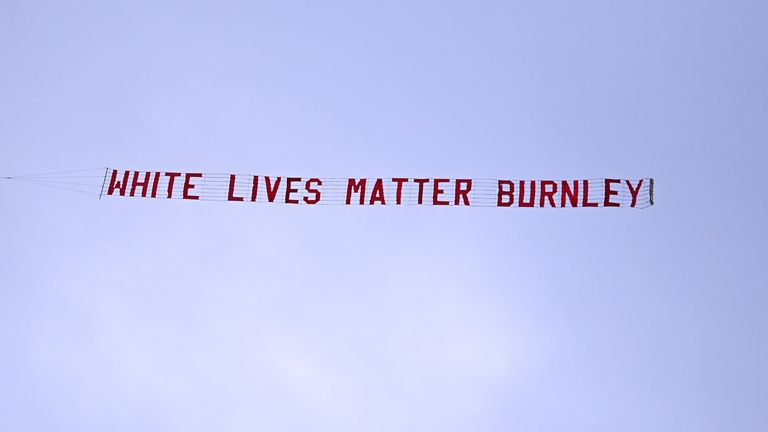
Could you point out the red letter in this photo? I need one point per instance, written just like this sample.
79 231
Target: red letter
136 183
231 195
171 177
272 191
462 192
377 194
609 192
548 194
119 185
316 192
522 203
421 183
510 193
255 188
359 186
189 186
573 196
399 194
155 184
585 198
634 191
289 189
436 191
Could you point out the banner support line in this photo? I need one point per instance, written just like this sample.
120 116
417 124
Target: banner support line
103 182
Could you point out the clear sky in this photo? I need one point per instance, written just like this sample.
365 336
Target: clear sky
126 315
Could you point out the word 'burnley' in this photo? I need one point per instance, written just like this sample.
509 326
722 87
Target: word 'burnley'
381 191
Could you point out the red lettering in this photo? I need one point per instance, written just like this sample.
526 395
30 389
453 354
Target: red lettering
609 193
548 194
189 186
532 200
171 178
289 189
255 188
359 187
436 192
119 185
272 190
315 192
136 183
634 191
399 193
505 193
421 183
155 184
572 194
462 192
585 198
231 194
377 194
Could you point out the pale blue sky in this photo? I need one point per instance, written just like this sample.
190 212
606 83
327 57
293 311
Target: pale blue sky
128 315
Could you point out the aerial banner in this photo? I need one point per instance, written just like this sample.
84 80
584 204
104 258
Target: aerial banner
378 191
